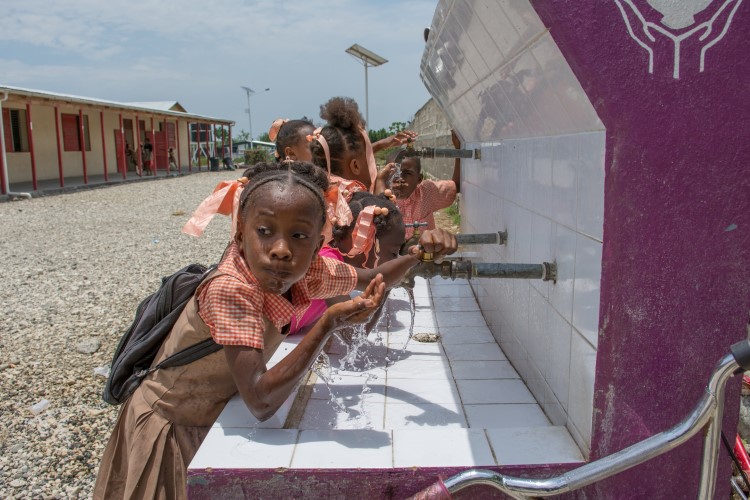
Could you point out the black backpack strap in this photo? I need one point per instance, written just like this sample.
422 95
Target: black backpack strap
185 356
195 351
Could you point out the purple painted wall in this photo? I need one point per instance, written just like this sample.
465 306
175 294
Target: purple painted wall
675 289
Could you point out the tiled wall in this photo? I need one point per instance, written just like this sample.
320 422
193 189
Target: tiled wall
494 69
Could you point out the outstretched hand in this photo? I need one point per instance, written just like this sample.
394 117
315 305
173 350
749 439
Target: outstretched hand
359 309
395 140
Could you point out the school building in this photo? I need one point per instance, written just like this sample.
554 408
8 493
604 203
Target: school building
50 140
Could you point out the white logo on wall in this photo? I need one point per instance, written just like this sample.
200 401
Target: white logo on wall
678 24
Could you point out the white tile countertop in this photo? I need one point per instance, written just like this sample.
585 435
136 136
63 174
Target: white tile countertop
454 402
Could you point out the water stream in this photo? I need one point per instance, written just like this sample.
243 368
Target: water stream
360 359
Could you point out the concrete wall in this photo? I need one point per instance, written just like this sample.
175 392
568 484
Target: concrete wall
434 130
614 140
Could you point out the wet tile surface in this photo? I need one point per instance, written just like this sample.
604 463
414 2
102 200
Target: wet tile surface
400 403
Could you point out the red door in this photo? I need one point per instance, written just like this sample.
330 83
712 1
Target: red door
120 151
160 150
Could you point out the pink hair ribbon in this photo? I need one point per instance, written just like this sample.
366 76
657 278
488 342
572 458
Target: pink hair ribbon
371 165
364 234
224 200
273 132
317 135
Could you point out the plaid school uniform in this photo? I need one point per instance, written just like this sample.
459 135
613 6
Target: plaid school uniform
428 197
233 306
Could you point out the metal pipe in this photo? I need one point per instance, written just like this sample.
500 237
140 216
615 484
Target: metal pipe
427 152
6 179
465 269
707 412
499 238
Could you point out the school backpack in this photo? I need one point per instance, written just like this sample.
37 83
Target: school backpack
154 319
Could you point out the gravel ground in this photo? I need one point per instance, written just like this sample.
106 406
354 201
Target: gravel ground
74 268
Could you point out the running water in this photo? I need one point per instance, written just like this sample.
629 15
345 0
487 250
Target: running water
325 372
395 174
413 309
355 362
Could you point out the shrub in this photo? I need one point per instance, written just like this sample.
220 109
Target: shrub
255 155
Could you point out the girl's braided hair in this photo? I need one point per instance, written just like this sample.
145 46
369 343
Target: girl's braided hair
341 132
288 173
289 135
383 223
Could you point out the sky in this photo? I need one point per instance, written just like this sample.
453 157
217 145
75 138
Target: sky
200 53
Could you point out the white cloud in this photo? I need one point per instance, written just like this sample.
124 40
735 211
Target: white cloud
200 52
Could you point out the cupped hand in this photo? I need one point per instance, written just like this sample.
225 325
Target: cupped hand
359 309
386 172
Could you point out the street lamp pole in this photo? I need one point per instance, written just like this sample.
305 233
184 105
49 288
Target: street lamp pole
368 59
250 92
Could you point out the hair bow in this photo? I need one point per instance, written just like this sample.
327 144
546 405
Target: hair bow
273 132
364 234
224 200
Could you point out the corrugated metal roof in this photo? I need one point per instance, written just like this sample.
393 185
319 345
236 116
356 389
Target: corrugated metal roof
160 105
112 104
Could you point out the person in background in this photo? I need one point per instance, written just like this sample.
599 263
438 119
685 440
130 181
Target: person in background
147 154
172 161
416 197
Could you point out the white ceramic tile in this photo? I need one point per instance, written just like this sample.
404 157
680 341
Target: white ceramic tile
522 237
565 180
400 319
557 369
441 448
581 391
412 351
537 340
456 304
499 28
467 335
365 414
344 449
236 414
492 416
474 352
415 416
590 217
535 445
564 255
419 368
242 448
482 370
540 178
494 391
471 318
565 85
350 388
586 288
447 289
421 391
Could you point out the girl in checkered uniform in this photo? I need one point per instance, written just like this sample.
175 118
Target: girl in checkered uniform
269 273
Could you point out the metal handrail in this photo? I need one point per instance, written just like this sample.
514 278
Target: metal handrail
707 415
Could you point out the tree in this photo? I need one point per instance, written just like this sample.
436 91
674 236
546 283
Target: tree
242 136
396 127
263 137
376 135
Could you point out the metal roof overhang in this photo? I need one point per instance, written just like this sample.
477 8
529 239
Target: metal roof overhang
42 96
